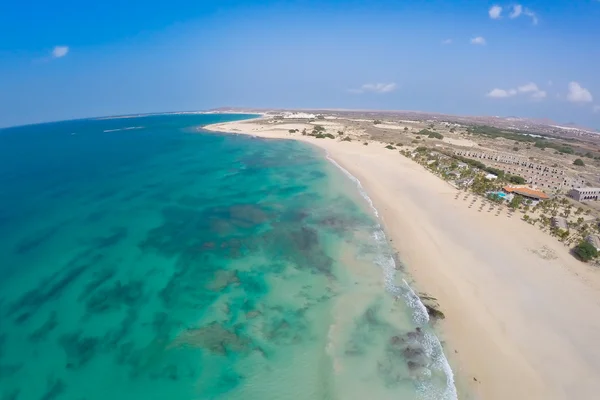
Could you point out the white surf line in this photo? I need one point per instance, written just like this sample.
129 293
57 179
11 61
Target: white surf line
421 316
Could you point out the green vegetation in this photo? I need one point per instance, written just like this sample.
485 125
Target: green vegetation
519 180
585 251
421 149
435 135
324 135
377 122
515 202
425 132
478 164
389 146
346 139
520 136
293 130
399 144
542 144
579 162
318 129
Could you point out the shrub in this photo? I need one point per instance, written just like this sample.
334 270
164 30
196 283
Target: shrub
519 180
415 141
435 135
340 133
585 251
389 146
399 144
292 131
515 149
406 128
365 144
418 137
579 162
318 128
324 135
377 122
346 139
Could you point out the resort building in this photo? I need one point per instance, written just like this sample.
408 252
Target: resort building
583 194
527 192
550 178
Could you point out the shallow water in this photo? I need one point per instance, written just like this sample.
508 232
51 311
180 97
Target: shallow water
156 262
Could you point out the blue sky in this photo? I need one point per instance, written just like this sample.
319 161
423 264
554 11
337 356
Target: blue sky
71 59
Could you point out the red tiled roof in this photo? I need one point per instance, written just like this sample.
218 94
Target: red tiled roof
525 191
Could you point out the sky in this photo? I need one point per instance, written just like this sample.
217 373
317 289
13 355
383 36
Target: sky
70 59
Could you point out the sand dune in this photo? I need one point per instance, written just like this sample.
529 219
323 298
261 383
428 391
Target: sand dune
522 315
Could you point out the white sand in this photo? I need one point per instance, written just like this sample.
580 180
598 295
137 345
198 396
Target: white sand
522 315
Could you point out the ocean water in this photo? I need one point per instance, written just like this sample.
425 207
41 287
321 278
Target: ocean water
143 259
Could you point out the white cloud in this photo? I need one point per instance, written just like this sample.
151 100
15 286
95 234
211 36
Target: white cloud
540 94
531 15
578 94
375 88
478 40
530 89
500 93
495 12
517 9
60 51
447 41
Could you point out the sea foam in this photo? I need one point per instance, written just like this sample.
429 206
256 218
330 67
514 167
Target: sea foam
431 343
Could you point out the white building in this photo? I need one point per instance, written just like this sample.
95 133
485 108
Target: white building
491 177
583 194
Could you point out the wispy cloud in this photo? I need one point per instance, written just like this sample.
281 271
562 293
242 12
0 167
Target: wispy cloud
495 12
480 40
501 93
449 41
375 88
530 89
578 94
517 10
531 15
60 51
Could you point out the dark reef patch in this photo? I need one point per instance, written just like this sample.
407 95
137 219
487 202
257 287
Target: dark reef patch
45 329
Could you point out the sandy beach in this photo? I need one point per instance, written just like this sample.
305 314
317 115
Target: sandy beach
522 315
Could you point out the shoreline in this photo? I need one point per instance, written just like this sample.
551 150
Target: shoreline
496 279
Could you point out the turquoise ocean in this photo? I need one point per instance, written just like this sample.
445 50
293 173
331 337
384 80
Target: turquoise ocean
143 258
